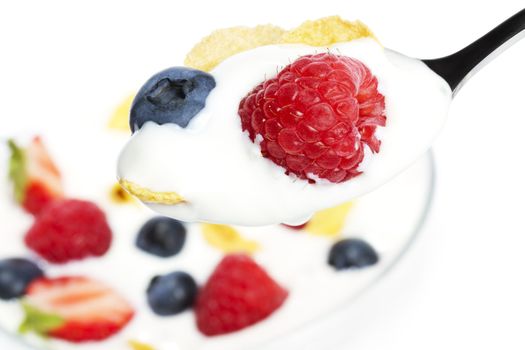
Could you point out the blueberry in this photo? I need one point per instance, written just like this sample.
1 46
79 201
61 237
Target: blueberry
352 253
162 236
174 95
15 275
172 293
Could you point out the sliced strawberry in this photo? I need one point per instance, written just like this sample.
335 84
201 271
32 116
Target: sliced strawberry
75 309
36 178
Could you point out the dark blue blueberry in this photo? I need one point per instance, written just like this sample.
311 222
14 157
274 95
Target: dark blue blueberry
171 293
174 95
352 253
162 236
15 275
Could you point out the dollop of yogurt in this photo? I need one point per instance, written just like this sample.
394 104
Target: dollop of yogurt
222 175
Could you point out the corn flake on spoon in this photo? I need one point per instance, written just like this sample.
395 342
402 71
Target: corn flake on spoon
267 126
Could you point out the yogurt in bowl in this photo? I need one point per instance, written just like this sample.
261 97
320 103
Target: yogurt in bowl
296 259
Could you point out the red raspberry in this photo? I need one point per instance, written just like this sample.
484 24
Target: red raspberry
238 294
69 229
316 116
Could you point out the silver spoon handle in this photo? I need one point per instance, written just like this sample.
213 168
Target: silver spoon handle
459 66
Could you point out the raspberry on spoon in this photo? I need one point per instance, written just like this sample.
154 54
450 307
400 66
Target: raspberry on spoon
316 116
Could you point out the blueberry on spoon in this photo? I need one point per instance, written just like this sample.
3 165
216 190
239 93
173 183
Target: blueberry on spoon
174 95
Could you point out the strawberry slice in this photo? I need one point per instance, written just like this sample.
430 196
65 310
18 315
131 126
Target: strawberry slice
35 177
76 309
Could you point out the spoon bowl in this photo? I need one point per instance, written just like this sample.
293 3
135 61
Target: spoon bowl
215 174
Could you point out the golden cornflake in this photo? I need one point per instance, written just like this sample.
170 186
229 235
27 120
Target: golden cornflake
227 239
119 195
136 345
224 43
148 196
326 31
329 222
120 118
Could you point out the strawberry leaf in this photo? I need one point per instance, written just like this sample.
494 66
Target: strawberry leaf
38 321
17 170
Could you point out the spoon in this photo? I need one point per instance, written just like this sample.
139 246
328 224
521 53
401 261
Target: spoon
457 68
206 168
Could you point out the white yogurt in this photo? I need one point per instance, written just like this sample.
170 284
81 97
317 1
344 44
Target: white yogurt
221 174
295 259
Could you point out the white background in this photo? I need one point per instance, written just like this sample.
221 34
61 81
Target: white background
462 286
